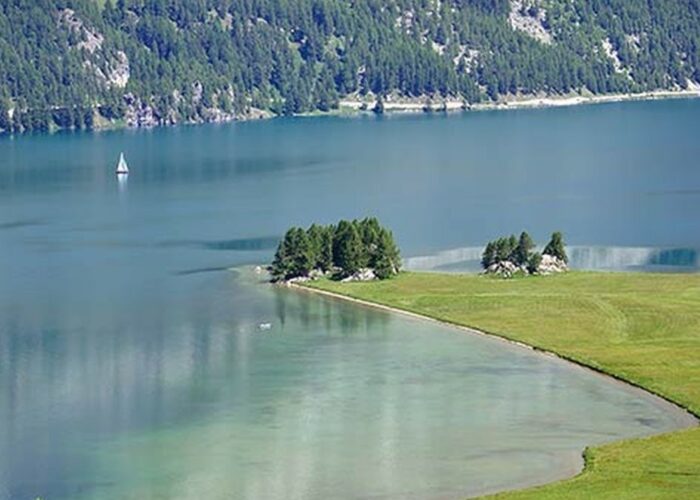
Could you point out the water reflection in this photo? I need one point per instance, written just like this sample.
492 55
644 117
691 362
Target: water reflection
132 365
239 244
123 183
580 257
190 391
20 224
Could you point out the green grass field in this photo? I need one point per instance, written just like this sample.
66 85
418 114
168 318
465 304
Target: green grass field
643 328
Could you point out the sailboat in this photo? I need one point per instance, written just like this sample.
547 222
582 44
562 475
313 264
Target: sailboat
122 168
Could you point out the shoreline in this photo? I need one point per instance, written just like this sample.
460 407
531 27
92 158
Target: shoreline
419 105
692 418
686 418
354 107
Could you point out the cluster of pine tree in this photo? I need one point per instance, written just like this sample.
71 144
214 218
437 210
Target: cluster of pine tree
339 250
520 251
186 58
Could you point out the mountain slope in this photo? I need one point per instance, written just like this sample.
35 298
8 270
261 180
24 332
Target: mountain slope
72 63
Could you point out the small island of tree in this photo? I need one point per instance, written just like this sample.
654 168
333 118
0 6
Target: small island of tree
510 255
357 249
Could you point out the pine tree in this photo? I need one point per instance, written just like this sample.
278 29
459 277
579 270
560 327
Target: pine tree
302 255
294 256
504 248
488 257
350 251
555 247
379 105
5 122
388 260
325 257
369 230
511 246
521 255
533 262
339 233
349 247
315 237
281 264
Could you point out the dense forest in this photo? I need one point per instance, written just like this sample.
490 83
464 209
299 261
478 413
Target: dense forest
354 250
85 63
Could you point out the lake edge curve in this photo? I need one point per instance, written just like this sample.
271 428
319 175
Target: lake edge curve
685 417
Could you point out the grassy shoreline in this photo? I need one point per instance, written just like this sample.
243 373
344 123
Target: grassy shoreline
643 329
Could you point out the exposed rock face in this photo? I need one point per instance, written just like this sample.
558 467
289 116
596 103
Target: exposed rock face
90 40
469 58
366 274
316 274
142 113
110 72
197 91
313 275
138 113
214 115
362 275
111 69
548 265
504 268
551 264
529 18
119 71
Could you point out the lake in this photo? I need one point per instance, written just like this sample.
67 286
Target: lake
132 364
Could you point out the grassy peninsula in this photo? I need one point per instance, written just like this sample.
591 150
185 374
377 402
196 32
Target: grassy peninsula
642 328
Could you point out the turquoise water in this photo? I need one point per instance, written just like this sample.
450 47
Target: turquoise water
131 363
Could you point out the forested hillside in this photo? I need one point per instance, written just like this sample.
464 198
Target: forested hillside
82 63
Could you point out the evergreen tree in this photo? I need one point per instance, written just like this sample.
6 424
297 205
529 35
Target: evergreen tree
388 260
339 233
62 118
302 255
315 237
511 247
294 256
533 262
296 56
350 254
5 122
347 247
370 230
555 247
281 265
504 249
325 257
521 255
379 105
488 257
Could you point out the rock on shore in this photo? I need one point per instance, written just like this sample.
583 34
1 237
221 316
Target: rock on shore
548 265
551 264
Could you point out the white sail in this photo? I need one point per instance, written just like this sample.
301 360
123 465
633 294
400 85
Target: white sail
122 167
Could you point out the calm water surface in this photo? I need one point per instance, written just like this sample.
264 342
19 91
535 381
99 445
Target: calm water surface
131 364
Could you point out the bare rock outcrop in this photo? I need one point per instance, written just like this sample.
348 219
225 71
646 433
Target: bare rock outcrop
365 274
551 264
528 17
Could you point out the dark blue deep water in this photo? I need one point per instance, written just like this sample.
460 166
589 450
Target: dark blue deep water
131 362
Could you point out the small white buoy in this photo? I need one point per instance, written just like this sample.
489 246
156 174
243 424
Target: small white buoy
265 326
